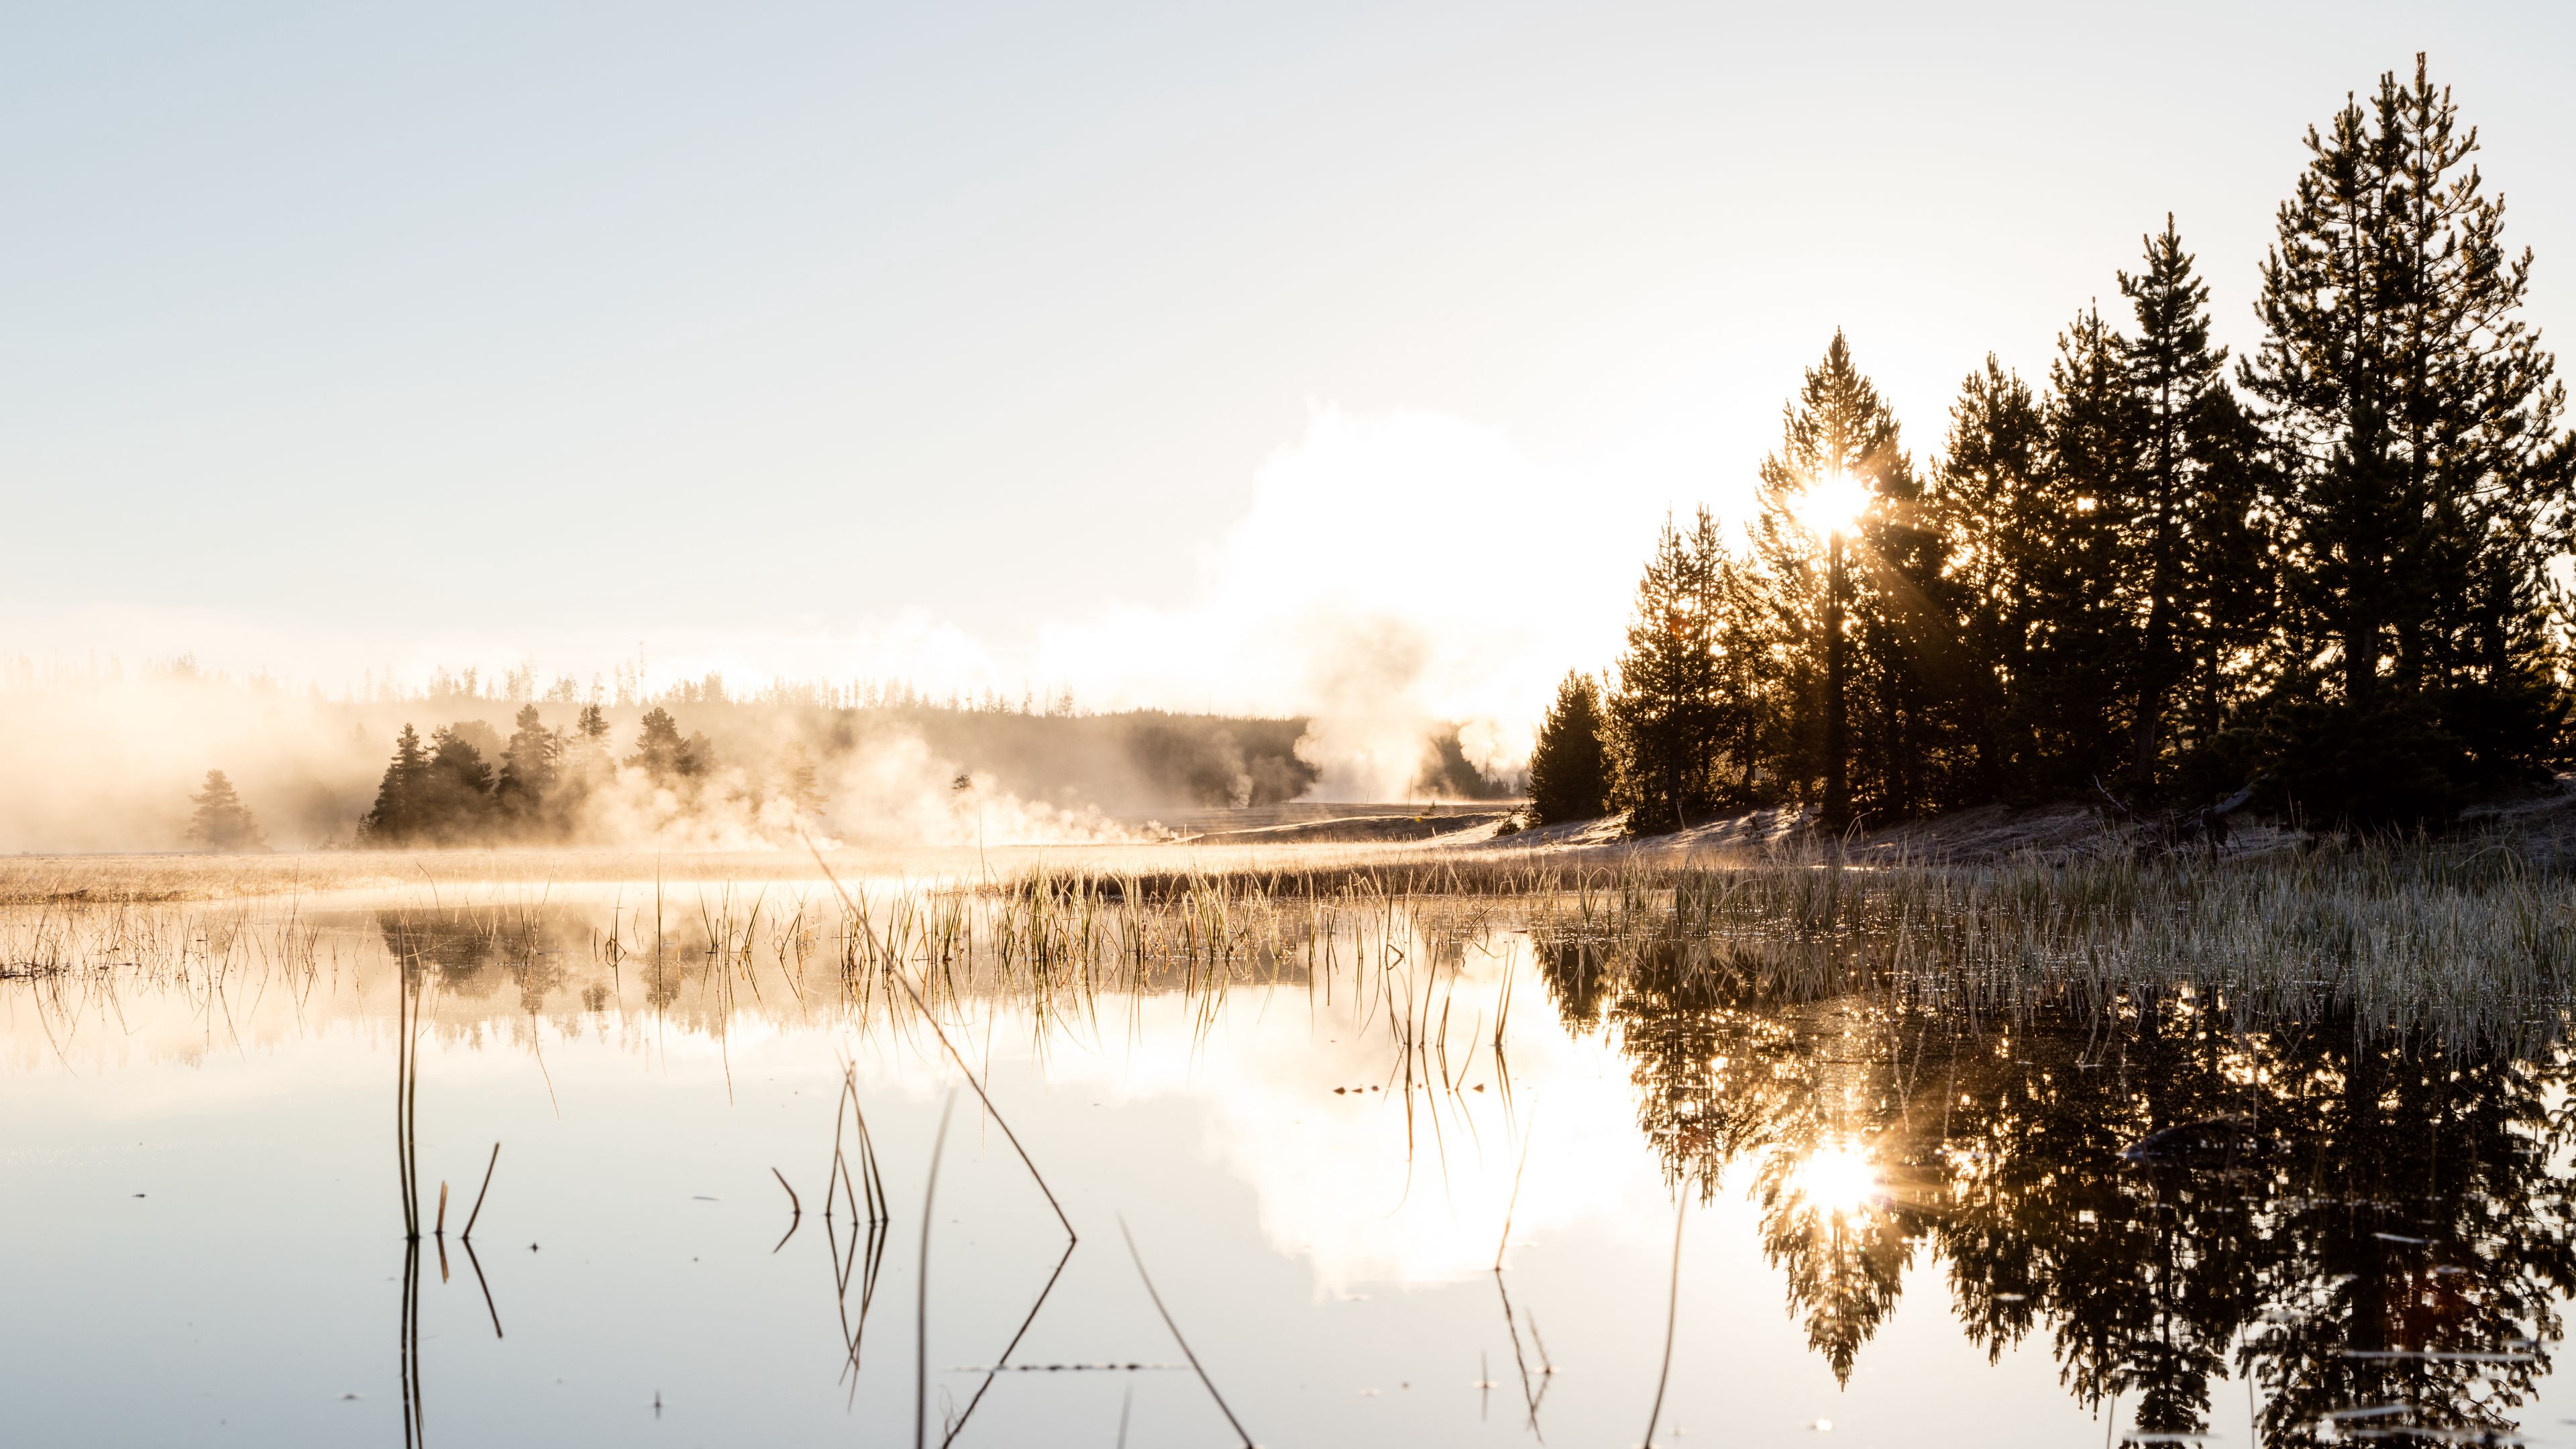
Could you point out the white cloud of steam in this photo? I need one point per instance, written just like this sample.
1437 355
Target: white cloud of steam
894 790
1394 572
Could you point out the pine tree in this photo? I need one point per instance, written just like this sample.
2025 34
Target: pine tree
2426 478
529 770
397 818
1855 605
2083 642
1664 717
455 800
1752 718
1995 500
660 752
2159 519
1568 771
221 821
799 784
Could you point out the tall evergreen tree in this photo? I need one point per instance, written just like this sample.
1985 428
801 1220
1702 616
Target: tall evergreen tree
1852 593
397 818
2426 478
221 821
662 753
2158 518
1995 499
529 768
1569 776
1663 717
1752 717
2084 639
455 799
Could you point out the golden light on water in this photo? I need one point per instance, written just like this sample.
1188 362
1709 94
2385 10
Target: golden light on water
1837 1179
1832 504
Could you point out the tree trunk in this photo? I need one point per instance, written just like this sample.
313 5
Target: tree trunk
1837 809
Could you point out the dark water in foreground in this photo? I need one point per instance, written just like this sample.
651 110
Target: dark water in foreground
1894 1230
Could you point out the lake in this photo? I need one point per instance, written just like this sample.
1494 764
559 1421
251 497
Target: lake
1401 1167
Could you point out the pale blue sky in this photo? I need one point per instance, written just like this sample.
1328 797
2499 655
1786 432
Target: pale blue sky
342 333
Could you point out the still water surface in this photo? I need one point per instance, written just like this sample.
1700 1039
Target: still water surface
1893 1229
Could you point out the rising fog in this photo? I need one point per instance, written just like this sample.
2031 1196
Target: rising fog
106 759
1397 581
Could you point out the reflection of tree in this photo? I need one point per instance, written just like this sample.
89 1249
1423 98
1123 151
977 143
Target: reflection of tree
1845 1265
2426 1223
1726 1069
2353 1225
473 952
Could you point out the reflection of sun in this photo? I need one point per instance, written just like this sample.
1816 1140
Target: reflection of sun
1832 504
1836 1179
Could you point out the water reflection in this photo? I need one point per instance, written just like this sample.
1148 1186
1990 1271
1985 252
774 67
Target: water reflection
2199 1221
2374 1233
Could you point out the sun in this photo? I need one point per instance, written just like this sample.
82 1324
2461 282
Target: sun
1837 1180
1832 504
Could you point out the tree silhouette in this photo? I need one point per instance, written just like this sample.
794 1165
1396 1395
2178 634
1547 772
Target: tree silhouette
2340 590
456 804
1853 607
529 776
1568 772
663 755
2426 483
1664 716
221 821
399 815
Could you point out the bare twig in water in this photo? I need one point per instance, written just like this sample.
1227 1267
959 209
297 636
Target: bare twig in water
484 1283
1008 1349
866 1262
471 1217
441 1230
904 980
415 1431
1672 1315
1513 1205
1529 1398
921 1290
1186 1351
793 1206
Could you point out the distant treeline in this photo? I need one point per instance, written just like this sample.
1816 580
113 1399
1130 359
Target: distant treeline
465 785
2327 585
776 763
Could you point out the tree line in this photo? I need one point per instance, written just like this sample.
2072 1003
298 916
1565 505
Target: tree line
466 786
2319 580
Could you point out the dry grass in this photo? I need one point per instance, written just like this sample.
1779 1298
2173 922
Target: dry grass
2473 942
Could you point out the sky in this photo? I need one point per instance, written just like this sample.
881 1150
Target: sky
1189 355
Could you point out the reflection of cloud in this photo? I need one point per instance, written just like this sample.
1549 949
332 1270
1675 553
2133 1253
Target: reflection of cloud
1331 1173
1337 1180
